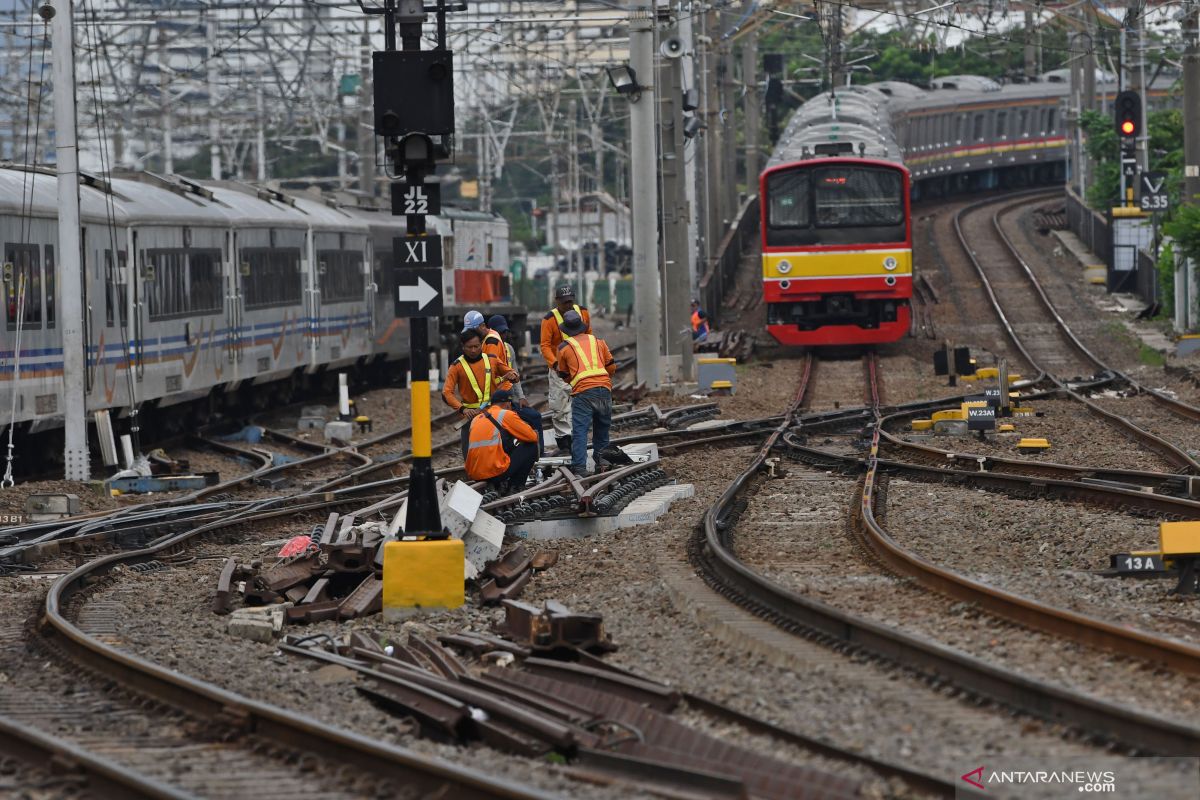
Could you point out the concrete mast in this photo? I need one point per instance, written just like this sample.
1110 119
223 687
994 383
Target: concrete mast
70 268
644 194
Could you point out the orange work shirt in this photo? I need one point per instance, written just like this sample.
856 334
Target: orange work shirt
485 454
585 363
486 373
493 345
552 334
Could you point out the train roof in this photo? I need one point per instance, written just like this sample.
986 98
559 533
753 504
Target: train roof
35 192
252 207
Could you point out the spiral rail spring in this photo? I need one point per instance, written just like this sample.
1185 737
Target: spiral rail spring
561 506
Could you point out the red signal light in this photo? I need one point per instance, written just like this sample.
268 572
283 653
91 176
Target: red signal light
1127 127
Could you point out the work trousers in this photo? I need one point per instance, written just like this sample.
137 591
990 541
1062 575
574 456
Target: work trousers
522 458
560 404
591 408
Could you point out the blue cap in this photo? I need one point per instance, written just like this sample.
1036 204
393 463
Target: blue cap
498 323
501 396
472 320
572 324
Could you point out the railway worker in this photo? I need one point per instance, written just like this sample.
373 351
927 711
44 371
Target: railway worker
586 366
699 322
472 378
502 447
560 393
499 326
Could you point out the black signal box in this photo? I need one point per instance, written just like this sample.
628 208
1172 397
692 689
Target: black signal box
414 92
962 361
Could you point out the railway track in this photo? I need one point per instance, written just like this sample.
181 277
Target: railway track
1022 306
713 553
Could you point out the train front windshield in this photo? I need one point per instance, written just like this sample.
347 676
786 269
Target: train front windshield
835 204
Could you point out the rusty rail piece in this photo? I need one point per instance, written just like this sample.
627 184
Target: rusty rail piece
98 776
1169 452
717 564
427 776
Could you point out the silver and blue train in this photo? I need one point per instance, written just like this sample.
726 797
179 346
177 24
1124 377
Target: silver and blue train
210 293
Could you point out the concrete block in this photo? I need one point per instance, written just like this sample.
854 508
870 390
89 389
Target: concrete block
641 452
640 511
709 370
314 411
459 509
339 430
483 541
950 427
311 424
254 629
425 575
706 424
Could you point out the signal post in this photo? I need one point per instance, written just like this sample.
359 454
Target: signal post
414 112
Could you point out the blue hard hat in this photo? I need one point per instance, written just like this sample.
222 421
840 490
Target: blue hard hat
472 320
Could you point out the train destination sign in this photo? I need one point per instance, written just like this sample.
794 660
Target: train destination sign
418 292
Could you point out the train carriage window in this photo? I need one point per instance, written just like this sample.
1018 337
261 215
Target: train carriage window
1023 123
342 278
274 278
858 197
788 206
977 134
115 288
960 124
23 294
1001 124
50 283
1051 119
181 282
204 281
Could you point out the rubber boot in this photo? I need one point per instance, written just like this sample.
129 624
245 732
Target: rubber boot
564 444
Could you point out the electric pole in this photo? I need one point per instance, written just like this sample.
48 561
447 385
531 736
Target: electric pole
644 193
1191 108
676 217
752 110
70 268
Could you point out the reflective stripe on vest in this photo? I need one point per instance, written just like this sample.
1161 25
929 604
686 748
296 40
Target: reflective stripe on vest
486 394
495 439
558 316
587 368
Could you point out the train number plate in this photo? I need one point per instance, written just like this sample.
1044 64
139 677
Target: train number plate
1126 563
11 519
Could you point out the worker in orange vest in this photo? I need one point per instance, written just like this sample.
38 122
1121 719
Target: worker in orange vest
586 366
471 380
560 394
502 448
699 322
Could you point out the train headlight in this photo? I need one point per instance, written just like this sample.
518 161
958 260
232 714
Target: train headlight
785 285
890 280
890 263
784 267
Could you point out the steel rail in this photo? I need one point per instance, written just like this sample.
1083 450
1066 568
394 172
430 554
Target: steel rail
792 611
1172 454
101 777
423 774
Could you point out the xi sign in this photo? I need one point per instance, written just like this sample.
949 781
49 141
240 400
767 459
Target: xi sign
418 292
1152 191
416 199
417 252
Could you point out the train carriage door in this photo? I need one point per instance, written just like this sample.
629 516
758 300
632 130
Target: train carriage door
137 308
236 316
369 286
314 272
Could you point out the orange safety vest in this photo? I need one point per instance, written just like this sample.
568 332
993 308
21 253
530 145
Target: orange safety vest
558 315
588 367
486 457
695 321
486 394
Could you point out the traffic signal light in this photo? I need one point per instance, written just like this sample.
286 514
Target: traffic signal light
1128 112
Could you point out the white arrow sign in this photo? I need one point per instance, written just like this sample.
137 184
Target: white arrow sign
421 294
